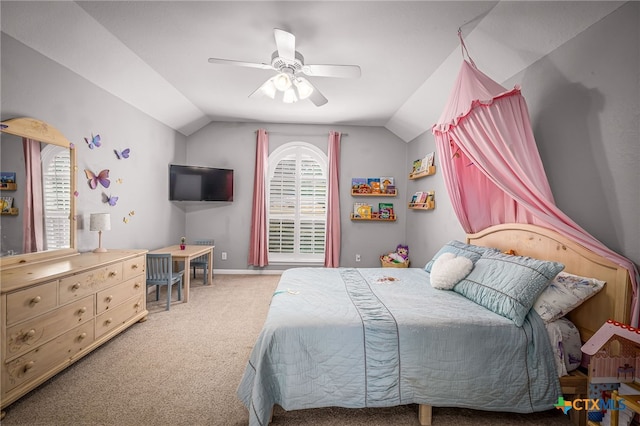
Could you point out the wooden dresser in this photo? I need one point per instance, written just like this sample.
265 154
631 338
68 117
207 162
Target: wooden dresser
56 311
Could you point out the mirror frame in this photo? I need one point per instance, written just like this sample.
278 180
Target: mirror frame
41 131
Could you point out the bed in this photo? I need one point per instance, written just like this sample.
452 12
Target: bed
379 337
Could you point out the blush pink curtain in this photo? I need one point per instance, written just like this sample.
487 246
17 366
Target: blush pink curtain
258 250
492 168
32 210
332 236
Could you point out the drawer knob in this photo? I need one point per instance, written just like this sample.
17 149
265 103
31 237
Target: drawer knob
29 334
134 266
82 310
76 286
136 285
82 336
36 299
108 321
136 306
108 298
113 273
28 366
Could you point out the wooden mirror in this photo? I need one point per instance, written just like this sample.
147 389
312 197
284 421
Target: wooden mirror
38 163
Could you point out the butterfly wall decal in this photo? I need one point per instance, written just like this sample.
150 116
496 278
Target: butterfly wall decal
95 141
122 154
110 199
102 178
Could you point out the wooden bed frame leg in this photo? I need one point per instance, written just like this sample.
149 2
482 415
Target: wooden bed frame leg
424 415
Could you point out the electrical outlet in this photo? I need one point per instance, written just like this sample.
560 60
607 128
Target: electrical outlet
357 258
224 255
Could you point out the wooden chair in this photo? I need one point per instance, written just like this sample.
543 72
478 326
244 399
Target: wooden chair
202 261
160 272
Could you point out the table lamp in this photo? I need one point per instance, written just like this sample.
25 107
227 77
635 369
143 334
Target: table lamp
100 222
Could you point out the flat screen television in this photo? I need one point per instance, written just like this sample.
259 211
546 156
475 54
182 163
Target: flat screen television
196 183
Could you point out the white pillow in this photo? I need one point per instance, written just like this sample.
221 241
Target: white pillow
565 292
448 269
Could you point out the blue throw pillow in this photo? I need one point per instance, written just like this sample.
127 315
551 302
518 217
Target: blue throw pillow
508 285
459 249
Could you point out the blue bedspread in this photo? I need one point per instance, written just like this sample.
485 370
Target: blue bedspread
355 338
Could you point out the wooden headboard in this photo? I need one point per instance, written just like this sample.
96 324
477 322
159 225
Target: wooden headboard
613 302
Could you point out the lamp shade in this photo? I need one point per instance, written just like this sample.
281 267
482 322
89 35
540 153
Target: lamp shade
99 222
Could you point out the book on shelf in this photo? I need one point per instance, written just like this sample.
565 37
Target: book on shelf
5 204
385 210
430 197
428 160
419 198
374 184
416 165
387 185
360 186
362 210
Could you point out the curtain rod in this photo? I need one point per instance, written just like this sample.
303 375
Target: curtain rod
301 135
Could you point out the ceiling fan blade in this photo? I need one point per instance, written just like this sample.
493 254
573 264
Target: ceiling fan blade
267 89
240 63
341 71
317 98
286 44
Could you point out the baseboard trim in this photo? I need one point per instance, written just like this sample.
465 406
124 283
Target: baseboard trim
246 272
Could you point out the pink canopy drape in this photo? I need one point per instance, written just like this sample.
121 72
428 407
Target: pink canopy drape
258 250
33 213
332 235
492 168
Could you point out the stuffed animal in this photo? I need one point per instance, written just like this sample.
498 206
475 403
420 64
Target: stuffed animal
400 255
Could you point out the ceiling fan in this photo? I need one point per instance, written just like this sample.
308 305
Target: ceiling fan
290 65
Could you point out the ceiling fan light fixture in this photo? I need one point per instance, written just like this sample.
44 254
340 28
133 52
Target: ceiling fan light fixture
281 81
303 87
289 96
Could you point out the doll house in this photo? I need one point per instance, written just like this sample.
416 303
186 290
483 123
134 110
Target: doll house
614 359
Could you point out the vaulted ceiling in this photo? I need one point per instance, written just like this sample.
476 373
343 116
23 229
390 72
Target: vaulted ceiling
153 54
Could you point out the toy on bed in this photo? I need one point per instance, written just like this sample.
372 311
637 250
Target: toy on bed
397 259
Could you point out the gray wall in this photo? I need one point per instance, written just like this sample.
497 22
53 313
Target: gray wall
35 86
584 104
583 100
365 152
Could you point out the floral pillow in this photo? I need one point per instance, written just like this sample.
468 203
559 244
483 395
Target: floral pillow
565 292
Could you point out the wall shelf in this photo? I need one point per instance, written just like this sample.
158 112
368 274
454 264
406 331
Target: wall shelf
373 194
423 206
417 175
9 187
374 217
12 212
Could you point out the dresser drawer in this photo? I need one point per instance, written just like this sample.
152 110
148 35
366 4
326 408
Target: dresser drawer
113 296
30 302
28 335
133 267
119 315
38 362
76 286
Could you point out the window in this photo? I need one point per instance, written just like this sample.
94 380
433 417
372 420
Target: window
297 203
56 195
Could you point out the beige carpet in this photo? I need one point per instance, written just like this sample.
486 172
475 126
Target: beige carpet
182 367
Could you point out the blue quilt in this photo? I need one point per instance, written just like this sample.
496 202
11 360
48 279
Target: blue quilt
384 337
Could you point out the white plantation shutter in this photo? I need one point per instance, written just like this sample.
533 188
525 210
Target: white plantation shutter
297 203
56 194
